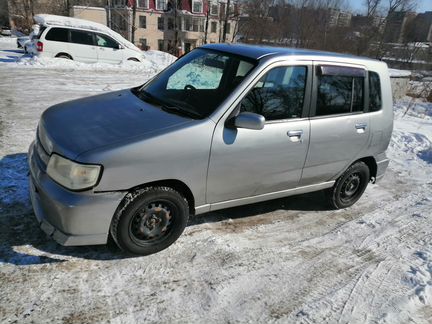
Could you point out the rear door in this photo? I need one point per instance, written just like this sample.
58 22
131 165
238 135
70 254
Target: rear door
108 50
82 46
339 126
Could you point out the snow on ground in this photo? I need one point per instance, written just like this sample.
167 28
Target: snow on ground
282 261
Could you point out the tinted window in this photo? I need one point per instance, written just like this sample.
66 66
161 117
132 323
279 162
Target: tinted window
82 37
339 94
105 41
57 34
279 94
374 92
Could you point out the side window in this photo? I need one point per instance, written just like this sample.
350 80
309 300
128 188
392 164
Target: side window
82 37
279 94
375 101
57 34
339 94
105 41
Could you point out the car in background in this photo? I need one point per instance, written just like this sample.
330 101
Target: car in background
81 40
5 31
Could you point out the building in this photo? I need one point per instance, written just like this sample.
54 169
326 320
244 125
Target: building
171 26
396 26
421 30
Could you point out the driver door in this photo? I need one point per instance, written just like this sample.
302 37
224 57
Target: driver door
245 162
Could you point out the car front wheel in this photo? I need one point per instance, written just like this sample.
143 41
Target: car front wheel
349 187
149 220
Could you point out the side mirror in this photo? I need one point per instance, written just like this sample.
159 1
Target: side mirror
249 120
120 46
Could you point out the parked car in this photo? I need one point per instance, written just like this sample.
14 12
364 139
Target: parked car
80 40
5 31
223 126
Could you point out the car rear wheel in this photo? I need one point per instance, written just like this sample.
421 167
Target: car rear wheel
349 187
133 59
64 56
149 220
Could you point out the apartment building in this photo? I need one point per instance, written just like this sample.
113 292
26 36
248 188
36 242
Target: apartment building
171 26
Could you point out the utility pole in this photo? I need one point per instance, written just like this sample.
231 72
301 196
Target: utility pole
109 13
206 24
226 21
133 21
176 51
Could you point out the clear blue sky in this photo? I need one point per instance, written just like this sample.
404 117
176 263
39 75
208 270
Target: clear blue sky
358 6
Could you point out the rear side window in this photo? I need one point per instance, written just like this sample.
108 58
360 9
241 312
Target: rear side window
375 101
82 37
339 94
57 34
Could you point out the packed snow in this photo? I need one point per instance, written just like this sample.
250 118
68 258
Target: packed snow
283 261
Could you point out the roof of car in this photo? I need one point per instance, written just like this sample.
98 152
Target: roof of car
257 52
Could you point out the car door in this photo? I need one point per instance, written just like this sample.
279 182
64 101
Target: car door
339 126
244 162
108 50
82 46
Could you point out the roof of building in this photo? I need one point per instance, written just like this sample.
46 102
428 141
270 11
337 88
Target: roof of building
257 52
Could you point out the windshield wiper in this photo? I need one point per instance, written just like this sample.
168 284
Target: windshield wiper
181 111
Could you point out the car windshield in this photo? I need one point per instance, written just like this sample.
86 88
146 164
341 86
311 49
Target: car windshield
196 84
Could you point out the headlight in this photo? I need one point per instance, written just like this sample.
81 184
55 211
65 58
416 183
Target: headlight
72 175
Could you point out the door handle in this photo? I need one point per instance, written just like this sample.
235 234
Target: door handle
295 135
361 127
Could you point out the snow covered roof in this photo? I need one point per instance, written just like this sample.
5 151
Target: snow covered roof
54 20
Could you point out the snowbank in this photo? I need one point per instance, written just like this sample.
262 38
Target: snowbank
394 73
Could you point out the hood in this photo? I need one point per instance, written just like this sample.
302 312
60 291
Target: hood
78 126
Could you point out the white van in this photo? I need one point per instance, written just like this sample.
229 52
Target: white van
81 40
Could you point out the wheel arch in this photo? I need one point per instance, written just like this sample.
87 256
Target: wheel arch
175 184
372 165
65 54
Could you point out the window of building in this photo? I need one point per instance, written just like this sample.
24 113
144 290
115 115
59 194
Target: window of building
197 6
228 28
188 23
142 22
375 101
160 44
161 4
58 35
279 94
143 42
105 41
214 9
213 27
144 4
339 94
82 37
170 23
196 25
119 3
160 22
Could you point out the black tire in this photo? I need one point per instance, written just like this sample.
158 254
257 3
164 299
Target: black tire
349 187
149 220
64 56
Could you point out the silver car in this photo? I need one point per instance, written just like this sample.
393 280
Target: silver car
225 125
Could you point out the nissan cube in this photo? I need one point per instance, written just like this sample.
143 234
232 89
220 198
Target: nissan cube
225 125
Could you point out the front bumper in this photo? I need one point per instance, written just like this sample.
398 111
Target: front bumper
70 218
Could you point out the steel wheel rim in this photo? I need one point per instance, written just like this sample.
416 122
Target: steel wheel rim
152 223
351 187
